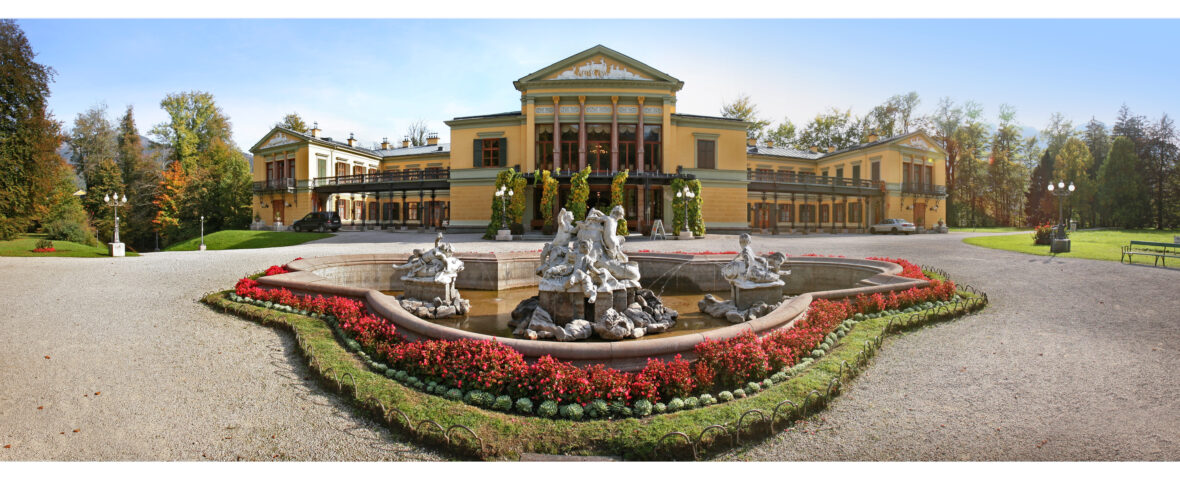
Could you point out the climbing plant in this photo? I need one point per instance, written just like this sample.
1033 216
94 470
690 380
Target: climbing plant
548 195
618 198
695 223
515 205
579 193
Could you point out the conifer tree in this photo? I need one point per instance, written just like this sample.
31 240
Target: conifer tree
141 177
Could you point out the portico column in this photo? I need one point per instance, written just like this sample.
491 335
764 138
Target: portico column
556 135
639 134
614 134
581 132
405 210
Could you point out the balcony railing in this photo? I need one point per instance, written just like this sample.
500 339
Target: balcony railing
428 174
807 178
923 188
277 184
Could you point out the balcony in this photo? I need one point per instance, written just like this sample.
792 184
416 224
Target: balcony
278 184
403 180
928 189
792 182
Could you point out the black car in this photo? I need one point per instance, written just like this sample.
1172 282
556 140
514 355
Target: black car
318 221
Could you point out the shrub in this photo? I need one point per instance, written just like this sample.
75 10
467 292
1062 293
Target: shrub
43 244
692 402
740 358
524 405
659 408
390 373
547 409
675 404
572 412
707 400
455 394
71 231
1043 234
642 408
674 378
503 403
478 398
619 409
739 393
767 383
725 396
778 377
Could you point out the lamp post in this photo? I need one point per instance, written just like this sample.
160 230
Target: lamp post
503 193
1060 242
687 195
202 248
117 247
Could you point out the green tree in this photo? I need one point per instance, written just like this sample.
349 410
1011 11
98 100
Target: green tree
1120 186
105 180
696 223
30 167
92 141
1160 159
783 134
194 122
894 117
832 128
745 109
293 122
579 193
618 197
1097 140
220 189
507 179
1072 163
141 178
1006 177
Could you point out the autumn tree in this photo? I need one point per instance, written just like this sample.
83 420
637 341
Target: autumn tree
170 203
30 167
293 122
745 109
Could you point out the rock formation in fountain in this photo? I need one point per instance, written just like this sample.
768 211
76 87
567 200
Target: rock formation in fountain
429 282
756 285
585 276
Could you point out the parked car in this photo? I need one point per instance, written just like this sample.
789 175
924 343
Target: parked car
894 226
318 221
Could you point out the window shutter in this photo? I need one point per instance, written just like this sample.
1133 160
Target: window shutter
477 152
503 152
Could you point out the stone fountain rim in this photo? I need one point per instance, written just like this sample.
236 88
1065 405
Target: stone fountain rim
626 355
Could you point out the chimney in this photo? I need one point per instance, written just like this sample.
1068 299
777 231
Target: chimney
405 142
814 149
384 143
315 129
769 143
751 142
831 147
873 137
432 139
351 140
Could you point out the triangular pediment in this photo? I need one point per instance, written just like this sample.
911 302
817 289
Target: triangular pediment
919 140
599 63
277 137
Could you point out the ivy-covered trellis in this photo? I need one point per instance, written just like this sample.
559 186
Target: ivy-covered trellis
515 205
618 198
579 193
695 223
548 190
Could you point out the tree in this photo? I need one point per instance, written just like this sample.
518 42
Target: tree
92 141
1120 186
1097 140
194 123
30 167
745 109
141 178
105 179
1160 158
833 128
894 117
170 202
1071 164
1039 209
293 122
1005 176
783 134
416 133
1057 133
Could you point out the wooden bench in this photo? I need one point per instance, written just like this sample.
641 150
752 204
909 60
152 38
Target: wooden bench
1159 250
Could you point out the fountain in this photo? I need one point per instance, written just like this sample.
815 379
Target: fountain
756 285
429 282
589 286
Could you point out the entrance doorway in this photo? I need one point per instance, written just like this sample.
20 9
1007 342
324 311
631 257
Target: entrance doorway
920 215
277 211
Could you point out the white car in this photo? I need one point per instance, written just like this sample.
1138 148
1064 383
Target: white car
894 226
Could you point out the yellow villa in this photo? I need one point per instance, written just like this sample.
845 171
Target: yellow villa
602 109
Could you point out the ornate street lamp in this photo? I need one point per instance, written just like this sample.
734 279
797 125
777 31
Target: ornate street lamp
503 193
687 194
1060 242
117 248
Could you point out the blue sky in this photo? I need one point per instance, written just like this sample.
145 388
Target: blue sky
374 77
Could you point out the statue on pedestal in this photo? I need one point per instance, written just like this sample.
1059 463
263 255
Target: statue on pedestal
756 285
429 282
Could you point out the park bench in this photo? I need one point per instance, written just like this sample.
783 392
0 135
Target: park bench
1159 250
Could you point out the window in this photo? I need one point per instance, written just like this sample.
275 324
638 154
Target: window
854 212
929 175
545 146
598 147
824 213
322 167
569 147
291 166
412 211
342 209
628 148
341 169
840 210
706 154
784 213
489 152
652 154
856 172
840 172
876 170
358 170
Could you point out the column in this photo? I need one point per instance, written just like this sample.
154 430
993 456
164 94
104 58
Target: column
774 213
421 211
794 212
614 134
845 212
405 211
639 145
433 206
581 132
556 135
641 195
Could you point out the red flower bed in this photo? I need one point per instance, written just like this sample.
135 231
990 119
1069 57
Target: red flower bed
498 369
44 250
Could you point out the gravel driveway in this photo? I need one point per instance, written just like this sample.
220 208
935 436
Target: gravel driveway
1074 360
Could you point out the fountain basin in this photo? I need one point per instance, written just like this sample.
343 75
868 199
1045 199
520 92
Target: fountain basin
364 277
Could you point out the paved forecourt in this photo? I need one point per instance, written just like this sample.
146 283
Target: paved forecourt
1072 361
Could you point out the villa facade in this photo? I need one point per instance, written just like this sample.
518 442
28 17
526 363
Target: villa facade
602 109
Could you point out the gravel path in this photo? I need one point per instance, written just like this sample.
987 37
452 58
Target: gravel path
1078 369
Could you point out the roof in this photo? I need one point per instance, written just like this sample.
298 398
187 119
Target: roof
498 114
414 150
712 118
656 75
306 137
790 152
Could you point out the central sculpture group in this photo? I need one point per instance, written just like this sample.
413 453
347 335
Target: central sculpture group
588 286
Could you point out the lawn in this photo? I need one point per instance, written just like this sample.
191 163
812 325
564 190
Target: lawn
235 239
993 229
1095 245
23 247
